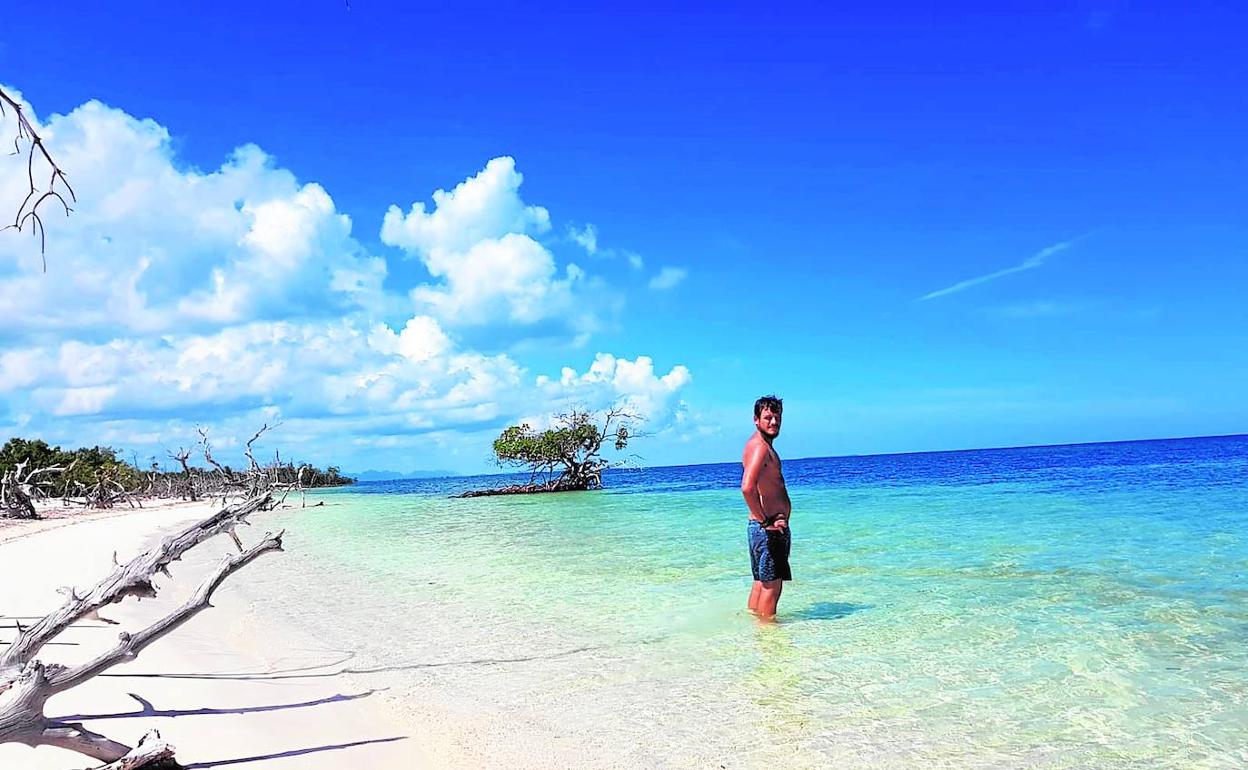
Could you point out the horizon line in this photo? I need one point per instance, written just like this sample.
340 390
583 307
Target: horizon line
1019 446
884 454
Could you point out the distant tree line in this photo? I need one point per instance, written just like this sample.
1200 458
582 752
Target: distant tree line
98 477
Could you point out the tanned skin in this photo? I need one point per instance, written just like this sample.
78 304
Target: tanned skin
762 485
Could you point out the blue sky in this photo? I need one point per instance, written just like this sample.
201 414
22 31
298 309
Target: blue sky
789 199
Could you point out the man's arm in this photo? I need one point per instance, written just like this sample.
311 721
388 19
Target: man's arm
753 460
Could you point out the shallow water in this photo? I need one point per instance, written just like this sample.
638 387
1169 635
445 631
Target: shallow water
1062 607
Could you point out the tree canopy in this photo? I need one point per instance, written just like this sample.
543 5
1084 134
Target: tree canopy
572 447
84 467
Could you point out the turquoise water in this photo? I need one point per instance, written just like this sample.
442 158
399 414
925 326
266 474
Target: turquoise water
1066 607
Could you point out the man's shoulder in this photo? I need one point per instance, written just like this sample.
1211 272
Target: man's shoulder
751 446
755 446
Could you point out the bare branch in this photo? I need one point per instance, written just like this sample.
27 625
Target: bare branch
27 214
77 738
27 684
130 645
133 578
255 467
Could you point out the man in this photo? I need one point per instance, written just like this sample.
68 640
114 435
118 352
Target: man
762 484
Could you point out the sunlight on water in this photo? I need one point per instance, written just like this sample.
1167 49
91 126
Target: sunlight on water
1063 607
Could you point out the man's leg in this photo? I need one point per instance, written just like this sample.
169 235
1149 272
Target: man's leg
755 592
768 598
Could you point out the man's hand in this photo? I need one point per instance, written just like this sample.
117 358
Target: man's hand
779 525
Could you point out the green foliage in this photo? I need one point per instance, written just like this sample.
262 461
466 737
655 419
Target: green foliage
37 452
89 466
573 446
312 477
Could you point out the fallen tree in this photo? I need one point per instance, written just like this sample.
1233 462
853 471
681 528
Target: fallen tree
19 488
26 683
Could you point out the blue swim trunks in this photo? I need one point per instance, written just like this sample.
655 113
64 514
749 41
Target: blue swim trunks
769 552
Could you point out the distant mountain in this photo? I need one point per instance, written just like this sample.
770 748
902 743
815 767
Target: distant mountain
392 475
429 474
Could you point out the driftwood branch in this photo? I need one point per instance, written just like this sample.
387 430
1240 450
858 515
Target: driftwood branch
19 489
29 214
151 751
130 645
26 683
131 579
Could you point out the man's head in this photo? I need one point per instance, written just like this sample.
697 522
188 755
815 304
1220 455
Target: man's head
767 416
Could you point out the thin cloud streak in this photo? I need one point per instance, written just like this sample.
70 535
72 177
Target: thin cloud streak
1030 263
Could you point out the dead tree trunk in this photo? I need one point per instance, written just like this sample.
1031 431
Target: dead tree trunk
303 493
26 683
18 490
182 455
15 503
257 478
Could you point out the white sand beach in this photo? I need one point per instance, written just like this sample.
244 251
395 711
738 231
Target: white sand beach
225 689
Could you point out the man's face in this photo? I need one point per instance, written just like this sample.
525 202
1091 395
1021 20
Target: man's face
768 423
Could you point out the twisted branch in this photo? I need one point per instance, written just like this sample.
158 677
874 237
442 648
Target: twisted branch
28 213
27 684
131 579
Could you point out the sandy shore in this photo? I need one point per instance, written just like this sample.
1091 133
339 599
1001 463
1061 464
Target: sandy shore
228 689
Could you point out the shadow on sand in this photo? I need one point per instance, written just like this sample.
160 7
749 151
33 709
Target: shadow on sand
285 754
148 710
312 672
828 611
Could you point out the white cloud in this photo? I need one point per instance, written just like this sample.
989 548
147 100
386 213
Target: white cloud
421 339
305 369
21 368
1031 263
612 381
511 278
176 297
483 207
668 278
153 247
479 241
587 237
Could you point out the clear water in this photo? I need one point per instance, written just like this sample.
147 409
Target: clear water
1056 607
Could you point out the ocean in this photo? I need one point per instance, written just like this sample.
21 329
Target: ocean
1050 607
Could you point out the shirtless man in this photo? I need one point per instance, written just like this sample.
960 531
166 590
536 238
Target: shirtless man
762 484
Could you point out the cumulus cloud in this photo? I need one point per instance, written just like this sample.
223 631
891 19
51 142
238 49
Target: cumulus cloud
479 240
153 247
480 208
225 298
611 381
668 278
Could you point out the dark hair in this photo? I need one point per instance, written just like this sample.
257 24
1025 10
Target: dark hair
770 403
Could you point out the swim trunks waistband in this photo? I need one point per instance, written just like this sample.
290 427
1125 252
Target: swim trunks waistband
769 521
